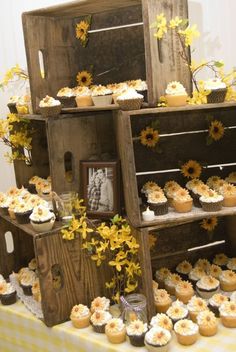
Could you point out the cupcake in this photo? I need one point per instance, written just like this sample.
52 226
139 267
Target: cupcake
99 319
228 314
117 89
161 320
171 192
147 188
115 331
183 269
202 263
218 184
162 300
182 201
22 212
211 201
221 260
100 303
157 339
49 106
184 291
171 281
176 94
214 271
4 205
211 181
215 302
197 192
207 323
231 178
130 100
101 96
32 265
195 274
217 90
36 290
158 202
228 281
161 274
7 294
23 106
229 193
207 286
80 316
231 265
42 219
26 282
186 332
12 104
177 312
136 331
195 306
140 86
67 97
83 96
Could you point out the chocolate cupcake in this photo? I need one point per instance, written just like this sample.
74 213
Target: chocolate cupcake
8 296
136 331
207 286
183 269
99 319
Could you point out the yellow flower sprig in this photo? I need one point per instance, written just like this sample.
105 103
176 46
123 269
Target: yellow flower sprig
13 74
81 30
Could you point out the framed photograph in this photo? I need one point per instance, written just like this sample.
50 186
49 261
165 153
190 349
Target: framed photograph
101 188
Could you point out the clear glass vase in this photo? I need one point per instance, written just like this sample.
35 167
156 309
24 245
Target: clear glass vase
134 306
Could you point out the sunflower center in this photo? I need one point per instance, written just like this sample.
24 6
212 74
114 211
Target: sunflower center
84 79
191 170
149 136
216 129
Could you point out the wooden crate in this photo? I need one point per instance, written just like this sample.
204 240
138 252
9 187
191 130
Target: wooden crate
81 280
121 45
183 133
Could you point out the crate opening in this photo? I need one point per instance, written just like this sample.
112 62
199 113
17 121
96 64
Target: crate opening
57 277
69 166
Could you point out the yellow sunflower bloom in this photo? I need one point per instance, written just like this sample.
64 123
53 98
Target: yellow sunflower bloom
191 169
209 224
149 137
152 241
81 31
216 130
84 78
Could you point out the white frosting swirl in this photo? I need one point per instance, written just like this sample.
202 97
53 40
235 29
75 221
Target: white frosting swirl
186 327
215 83
136 328
157 336
79 311
41 214
48 101
100 303
228 309
130 94
161 320
115 325
217 299
100 317
175 88
197 304
208 283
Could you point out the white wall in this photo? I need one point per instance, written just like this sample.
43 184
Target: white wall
215 20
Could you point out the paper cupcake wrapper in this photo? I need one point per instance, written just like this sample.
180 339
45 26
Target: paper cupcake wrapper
130 104
217 96
50 111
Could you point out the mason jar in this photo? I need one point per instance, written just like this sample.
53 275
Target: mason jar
134 306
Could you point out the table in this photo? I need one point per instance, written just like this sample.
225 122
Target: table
20 331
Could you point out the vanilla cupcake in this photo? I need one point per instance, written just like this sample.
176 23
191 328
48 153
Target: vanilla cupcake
176 94
196 274
49 106
195 306
157 339
231 265
80 316
136 331
171 191
161 320
171 281
202 263
130 100
117 89
177 311
215 302
211 201
207 286
115 331
182 201
228 191
100 303
211 181
101 95
228 280
7 294
186 332
42 219
221 260
228 314
184 291
161 274
162 300
83 96
214 270
99 319
158 202
183 269
207 323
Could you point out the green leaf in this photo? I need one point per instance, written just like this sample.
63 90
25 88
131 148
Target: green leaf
218 64
184 23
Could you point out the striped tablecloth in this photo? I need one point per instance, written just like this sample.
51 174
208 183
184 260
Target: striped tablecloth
20 331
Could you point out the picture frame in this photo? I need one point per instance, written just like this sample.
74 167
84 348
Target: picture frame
100 188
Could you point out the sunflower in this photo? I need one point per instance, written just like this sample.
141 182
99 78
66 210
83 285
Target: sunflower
149 137
209 224
84 78
216 130
81 31
152 241
191 169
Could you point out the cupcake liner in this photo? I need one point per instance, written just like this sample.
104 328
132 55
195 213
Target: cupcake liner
27 290
130 104
217 96
99 328
196 201
67 102
12 108
214 310
23 218
50 111
8 299
159 209
211 206
4 211
137 340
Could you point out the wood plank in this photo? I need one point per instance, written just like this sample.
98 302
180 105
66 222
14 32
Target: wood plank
89 109
231 231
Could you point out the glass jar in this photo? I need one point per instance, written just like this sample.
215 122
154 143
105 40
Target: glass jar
134 306
65 205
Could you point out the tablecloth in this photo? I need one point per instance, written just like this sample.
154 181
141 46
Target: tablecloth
20 331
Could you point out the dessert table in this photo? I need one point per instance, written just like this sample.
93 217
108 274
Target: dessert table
20 331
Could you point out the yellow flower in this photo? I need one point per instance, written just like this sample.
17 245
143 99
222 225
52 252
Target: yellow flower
131 286
189 34
116 297
4 128
216 130
98 258
152 241
175 22
209 224
81 31
13 118
149 137
160 25
84 78
191 169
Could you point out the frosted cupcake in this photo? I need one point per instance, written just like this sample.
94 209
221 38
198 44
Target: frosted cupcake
228 314
161 274
211 201
217 90
231 265
22 212
229 193
171 192
117 89
215 302
80 316
202 263
218 184
214 270
130 100
157 339
231 178
177 312
83 96
158 202
221 260
101 95
99 319
211 181
195 306
67 97
207 286
100 303
4 204
182 201
196 274
136 331
184 291
7 294
171 281
162 300
228 281
183 269
186 332
115 331
197 192
49 106
161 320
12 103
42 219
176 94
26 281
